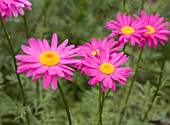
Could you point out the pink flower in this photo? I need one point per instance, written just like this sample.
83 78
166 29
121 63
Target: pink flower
51 61
8 7
157 30
5 11
127 29
106 68
93 48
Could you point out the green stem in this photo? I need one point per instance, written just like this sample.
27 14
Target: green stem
159 82
124 6
131 86
65 104
37 89
26 27
101 103
13 55
142 4
44 17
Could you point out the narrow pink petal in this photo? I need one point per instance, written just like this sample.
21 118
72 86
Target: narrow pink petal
46 44
41 45
55 70
27 58
41 70
28 50
69 61
68 77
20 10
34 45
46 80
62 46
54 82
30 72
36 77
54 42
104 88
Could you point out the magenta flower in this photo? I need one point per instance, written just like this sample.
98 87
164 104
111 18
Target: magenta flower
157 30
93 48
106 68
127 29
8 7
5 11
51 61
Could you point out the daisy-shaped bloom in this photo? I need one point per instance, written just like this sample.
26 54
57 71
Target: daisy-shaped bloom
157 30
13 7
107 68
93 48
51 61
127 28
5 11
17 6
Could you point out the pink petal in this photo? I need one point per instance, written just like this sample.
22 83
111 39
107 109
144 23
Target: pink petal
41 70
62 46
56 70
46 80
54 82
54 42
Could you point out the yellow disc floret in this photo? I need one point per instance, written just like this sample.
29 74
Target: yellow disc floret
49 58
95 52
107 68
127 30
151 29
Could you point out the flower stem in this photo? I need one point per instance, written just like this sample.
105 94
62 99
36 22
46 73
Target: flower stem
66 106
44 17
142 4
13 55
101 103
131 86
124 6
159 81
26 27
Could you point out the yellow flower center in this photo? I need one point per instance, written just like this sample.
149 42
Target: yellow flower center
95 52
49 58
127 30
107 68
151 28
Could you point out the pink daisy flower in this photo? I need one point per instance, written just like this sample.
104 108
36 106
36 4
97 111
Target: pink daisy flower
127 29
106 68
4 10
17 6
93 48
157 30
13 7
51 61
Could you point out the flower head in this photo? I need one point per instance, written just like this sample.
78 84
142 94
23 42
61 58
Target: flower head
93 48
8 7
5 11
127 28
106 68
157 30
51 61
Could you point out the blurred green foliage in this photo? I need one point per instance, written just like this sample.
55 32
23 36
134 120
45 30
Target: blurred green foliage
79 21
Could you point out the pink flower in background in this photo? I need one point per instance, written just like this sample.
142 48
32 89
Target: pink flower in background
127 28
157 29
51 61
5 11
93 48
17 6
106 68
8 7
